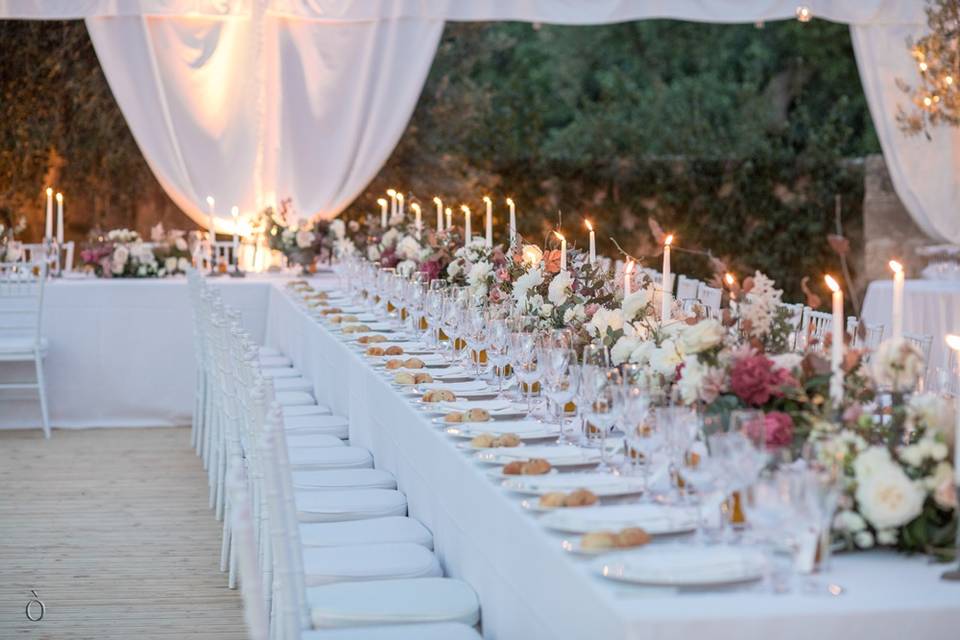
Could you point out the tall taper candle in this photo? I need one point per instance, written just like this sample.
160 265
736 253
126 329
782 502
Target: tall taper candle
59 218
627 277
449 214
563 252
235 214
417 222
898 275
593 243
467 231
383 212
488 220
836 349
666 299
211 209
953 341
437 201
393 202
400 210
513 221
48 228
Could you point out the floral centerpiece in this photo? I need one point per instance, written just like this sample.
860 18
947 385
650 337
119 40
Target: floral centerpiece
171 249
11 250
122 253
303 241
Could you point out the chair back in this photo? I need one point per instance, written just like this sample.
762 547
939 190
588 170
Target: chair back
60 260
710 297
872 334
687 288
223 253
252 591
923 344
815 327
21 299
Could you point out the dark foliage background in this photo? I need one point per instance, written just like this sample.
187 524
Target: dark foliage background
736 138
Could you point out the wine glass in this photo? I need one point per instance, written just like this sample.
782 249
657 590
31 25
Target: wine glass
602 412
679 426
498 350
526 365
561 378
823 484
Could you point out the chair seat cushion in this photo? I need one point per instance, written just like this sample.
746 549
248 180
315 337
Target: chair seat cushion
344 479
326 565
437 631
371 531
321 458
299 441
351 604
338 426
292 384
351 504
293 398
267 352
280 372
15 345
290 411
275 361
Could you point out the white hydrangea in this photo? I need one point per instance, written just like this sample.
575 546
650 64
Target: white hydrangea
408 248
897 364
760 305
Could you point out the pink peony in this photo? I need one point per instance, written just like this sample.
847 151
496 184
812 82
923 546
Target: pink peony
778 429
503 275
754 380
431 268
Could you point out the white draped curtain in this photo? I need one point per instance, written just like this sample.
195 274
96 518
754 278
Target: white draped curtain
256 100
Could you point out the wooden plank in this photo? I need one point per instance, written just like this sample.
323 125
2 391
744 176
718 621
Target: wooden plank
112 529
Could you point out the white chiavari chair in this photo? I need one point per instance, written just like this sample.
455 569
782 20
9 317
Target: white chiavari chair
872 333
21 317
815 327
710 297
64 258
350 599
923 344
223 253
687 288
794 315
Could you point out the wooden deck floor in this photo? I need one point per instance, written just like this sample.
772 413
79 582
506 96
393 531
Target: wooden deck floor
111 528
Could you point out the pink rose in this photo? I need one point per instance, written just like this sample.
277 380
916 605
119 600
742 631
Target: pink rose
431 268
503 275
591 309
945 495
778 429
754 380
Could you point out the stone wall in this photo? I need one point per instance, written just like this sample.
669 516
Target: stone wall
888 230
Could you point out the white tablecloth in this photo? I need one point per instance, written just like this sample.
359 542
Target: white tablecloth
930 307
121 352
529 588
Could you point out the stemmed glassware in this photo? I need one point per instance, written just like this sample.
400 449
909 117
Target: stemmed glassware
561 379
679 427
523 354
498 349
643 441
603 410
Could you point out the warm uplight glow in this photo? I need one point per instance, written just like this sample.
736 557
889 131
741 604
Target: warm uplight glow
730 279
833 284
509 202
895 266
530 256
630 265
487 199
391 192
49 192
234 211
381 201
210 201
437 201
589 226
59 197
669 240
953 341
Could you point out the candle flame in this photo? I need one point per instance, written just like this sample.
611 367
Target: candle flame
589 226
953 341
210 201
668 240
487 199
630 265
449 211
234 211
382 202
559 235
833 284
509 202
730 279
49 192
415 207
895 266
437 201
465 209
400 197
392 193
59 197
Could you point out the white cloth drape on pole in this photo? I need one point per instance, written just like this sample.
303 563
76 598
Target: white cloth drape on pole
252 101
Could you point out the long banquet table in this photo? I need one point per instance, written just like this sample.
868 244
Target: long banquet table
121 355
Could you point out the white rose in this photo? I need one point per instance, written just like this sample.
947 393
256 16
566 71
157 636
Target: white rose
870 462
913 455
121 254
183 264
574 313
850 521
635 302
933 412
479 273
699 337
560 288
888 498
304 238
863 540
170 264
897 364
523 284
641 355
546 310
373 253
338 228
605 319
665 359
408 248
181 244
390 238
454 269
699 381
787 361
887 537
142 270
621 351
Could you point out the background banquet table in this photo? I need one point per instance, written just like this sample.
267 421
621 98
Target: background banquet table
121 352
530 588
930 307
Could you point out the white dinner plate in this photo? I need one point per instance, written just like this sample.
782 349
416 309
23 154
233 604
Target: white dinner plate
655 519
458 387
557 455
601 484
684 566
468 446
431 359
494 406
524 429
574 546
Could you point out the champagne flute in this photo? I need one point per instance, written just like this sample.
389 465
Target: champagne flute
602 412
561 378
